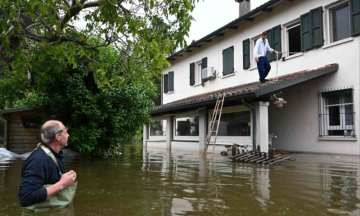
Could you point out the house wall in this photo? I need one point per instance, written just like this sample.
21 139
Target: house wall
297 123
282 14
20 139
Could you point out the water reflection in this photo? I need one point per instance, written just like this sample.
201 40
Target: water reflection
152 182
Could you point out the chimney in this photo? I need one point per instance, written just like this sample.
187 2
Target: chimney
244 7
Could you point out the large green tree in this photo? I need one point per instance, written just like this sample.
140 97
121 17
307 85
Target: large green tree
83 60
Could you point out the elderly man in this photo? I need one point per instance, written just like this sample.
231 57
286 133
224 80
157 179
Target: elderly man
261 47
43 173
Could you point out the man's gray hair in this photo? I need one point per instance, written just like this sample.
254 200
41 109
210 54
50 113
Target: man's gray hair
48 133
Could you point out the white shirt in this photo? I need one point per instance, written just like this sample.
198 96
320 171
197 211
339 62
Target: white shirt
261 48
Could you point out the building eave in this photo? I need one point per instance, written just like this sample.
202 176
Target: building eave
246 17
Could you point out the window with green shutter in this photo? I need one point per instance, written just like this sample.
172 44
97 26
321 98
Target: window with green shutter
306 37
355 17
192 74
317 27
228 61
246 54
312 29
166 80
270 41
171 81
276 41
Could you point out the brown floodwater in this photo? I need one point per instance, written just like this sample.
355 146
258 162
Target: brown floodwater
149 182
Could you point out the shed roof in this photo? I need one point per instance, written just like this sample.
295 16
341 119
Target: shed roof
14 110
250 91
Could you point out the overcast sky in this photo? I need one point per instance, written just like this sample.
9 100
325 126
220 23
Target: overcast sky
211 15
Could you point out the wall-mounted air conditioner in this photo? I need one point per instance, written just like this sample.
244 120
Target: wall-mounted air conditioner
208 73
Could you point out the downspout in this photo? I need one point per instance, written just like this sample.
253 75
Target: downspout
254 120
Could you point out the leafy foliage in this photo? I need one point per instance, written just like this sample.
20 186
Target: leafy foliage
90 63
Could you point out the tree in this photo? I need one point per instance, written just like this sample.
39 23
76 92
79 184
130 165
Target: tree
87 50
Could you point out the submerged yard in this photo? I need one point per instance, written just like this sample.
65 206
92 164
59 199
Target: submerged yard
150 182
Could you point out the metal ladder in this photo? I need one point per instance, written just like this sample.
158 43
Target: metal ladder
217 113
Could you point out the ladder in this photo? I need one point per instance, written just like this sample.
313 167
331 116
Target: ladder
215 119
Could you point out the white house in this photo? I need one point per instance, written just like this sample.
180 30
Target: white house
320 82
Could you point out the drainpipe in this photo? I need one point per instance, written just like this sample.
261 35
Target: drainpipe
254 120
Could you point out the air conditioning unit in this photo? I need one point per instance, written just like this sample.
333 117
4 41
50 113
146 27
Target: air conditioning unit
208 73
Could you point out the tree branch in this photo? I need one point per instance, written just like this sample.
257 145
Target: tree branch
67 3
75 9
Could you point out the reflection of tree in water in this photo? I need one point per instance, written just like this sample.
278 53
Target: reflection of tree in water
340 184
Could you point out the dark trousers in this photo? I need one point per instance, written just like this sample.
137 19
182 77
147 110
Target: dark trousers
264 68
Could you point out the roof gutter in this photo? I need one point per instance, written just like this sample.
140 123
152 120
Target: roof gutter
246 17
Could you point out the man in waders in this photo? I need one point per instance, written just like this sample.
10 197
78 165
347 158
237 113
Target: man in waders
261 47
45 184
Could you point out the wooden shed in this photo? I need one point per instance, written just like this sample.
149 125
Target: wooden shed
22 129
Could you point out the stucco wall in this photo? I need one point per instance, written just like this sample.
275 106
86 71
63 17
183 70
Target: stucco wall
281 14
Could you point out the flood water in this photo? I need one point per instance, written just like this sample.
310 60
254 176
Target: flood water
149 182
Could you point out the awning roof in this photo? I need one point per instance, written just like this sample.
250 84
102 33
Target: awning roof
250 91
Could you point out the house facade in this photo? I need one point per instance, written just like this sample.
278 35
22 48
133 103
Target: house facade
317 74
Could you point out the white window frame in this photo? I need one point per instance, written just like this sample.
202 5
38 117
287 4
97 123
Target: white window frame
185 138
328 23
158 138
198 73
242 140
163 86
288 26
342 110
253 64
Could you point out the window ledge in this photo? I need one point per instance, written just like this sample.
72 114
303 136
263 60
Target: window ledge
338 139
156 140
294 56
229 75
172 92
252 68
196 85
338 42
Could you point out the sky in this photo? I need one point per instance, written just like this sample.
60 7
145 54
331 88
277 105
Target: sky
211 15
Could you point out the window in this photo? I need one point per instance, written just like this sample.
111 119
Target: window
339 22
198 72
252 47
337 113
311 29
158 128
187 126
169 82
293 38
235 124
228 61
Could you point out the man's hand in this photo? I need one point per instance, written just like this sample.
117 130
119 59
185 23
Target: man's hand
257 59
275 51
67 179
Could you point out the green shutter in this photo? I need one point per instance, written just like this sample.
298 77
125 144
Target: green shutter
306 31
228 61
276 41
355 17
166 78
270 41
192 74
171 81
204 63
317 27
246 54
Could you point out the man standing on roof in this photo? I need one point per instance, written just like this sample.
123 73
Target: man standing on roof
261 47
45 183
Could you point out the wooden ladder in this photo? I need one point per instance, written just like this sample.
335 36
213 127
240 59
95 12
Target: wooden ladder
216 116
